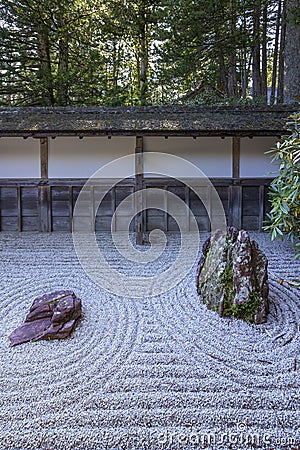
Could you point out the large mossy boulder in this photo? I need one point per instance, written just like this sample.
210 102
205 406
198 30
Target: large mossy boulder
232 276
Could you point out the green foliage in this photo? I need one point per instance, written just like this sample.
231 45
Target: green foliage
284 216
133 52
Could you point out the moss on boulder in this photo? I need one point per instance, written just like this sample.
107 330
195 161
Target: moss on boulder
232 276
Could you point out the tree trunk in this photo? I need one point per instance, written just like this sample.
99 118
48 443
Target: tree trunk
143 59
292 55
223 74
275 55
244 58
115 62
63 66
244 73
43 50
281 55
256 72
63 59
232 77
264 56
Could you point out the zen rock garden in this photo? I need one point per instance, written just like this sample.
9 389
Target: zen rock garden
232 276
232 280
52 316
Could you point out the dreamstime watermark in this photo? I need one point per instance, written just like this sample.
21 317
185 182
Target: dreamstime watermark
85 211
240 437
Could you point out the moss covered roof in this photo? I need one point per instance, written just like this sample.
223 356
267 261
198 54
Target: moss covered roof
156 121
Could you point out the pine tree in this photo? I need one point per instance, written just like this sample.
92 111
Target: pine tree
292 53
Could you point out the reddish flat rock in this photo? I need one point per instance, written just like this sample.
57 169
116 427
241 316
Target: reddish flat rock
52 316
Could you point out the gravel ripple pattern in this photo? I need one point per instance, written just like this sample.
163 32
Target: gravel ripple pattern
154 373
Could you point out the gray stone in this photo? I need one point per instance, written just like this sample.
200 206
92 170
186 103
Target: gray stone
232 276
52 316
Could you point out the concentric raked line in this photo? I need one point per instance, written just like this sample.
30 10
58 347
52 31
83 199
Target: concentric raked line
84 237
96 351
129 389
202 334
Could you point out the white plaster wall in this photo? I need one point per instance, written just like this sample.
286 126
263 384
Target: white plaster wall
254 161
71 157
19 158
211 155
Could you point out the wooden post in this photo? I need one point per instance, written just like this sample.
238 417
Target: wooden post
139 175
44 158
235 206
235 190
261 207
19 206
113 206
44 194
208 204
236 156
187 202
166 207
71 208
93 210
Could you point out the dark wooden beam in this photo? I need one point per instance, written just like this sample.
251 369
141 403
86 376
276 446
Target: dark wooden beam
235 205
44 157
44 191
139 176
236 156
235 191
19 207
71 207
261 207
187 202
44 201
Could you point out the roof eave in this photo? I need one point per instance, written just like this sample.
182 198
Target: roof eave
166 133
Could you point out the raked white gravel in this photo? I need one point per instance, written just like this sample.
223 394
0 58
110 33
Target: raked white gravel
154 373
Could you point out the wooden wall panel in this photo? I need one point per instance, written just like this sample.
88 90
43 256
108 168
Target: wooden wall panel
103 223
9 223
61 223
172 225
196 205
250 223
9 213
250 207
250 201
29 209
104 211
22 208
9 201
202 222
223 193
30 223
60 208
29 199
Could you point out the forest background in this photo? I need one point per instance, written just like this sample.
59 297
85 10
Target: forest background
149 52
